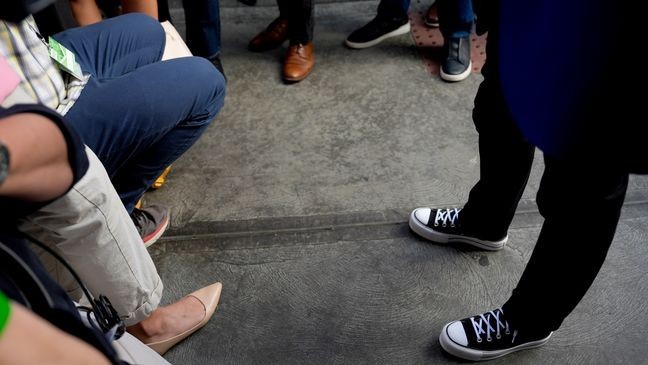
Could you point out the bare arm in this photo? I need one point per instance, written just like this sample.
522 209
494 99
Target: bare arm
85 12
27 339
39 168
148 7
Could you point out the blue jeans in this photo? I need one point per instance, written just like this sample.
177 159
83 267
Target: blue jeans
203 27
455 16
137 114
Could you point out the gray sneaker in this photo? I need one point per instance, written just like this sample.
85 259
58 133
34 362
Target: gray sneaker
151 222
457 64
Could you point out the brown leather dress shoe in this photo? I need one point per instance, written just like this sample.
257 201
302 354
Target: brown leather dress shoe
270 38
299 62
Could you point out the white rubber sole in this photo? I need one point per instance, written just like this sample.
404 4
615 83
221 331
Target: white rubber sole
455 78
477 355
405 28
440 237
152 238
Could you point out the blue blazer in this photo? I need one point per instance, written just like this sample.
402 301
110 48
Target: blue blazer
567 70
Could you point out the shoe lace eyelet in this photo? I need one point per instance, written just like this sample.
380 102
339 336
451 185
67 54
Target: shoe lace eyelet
508 332
452 225
498 336
479 340
489 339
444 225
436 224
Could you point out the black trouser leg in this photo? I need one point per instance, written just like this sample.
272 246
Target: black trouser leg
505 161
163 10
393 9
300 19
581 204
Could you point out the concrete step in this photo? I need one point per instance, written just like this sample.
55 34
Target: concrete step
380 295
391 223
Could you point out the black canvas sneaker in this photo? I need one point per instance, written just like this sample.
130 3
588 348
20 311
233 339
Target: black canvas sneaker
444 226
486 336
376 31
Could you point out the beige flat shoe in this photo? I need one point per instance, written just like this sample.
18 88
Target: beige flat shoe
209 297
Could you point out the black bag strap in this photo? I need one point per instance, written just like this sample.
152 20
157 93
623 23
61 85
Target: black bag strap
24 280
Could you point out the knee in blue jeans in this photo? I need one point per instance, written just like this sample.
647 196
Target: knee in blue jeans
143 25
210 81
206 69
204 83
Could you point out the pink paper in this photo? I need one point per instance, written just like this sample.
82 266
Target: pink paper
8 79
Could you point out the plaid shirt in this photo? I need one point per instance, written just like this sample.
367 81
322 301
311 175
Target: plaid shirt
40 77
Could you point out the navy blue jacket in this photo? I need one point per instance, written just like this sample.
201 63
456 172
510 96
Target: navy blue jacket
568 69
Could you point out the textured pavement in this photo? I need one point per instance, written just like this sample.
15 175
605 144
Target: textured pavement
297 199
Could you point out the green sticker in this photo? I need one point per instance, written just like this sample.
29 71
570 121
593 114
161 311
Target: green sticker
64 58
5 311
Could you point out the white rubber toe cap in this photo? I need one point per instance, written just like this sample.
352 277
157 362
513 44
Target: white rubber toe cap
423 215
457 334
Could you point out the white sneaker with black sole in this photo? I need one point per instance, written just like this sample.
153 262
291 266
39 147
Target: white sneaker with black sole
486 336
376 31
443 226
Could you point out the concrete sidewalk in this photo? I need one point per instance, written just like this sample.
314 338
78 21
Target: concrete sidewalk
297 199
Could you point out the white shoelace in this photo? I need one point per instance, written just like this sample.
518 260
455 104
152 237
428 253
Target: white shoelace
445 216
484 319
